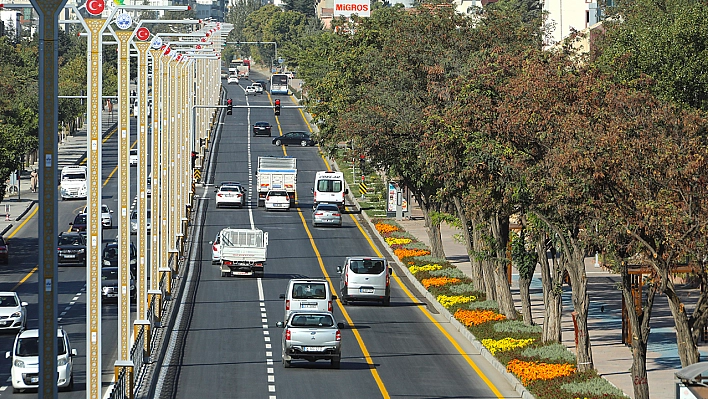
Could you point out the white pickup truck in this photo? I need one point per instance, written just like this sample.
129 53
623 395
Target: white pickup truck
243 252
311 335
276 173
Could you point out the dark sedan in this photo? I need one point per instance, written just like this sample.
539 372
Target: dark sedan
295 138
262 128
110 256
3 251
79 223
71 248
109 283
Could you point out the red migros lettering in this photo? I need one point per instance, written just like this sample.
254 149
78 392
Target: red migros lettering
352 7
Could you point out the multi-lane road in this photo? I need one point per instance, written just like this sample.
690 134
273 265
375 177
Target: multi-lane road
230 347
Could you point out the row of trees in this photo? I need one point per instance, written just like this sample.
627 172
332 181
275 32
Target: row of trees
605 151
19 101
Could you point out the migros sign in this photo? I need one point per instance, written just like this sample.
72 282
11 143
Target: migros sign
349 7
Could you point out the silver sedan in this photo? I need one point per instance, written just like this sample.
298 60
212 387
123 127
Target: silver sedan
326 214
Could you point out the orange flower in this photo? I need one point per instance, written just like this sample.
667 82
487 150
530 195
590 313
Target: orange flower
439 281
383 228
530 371
404 253
476 317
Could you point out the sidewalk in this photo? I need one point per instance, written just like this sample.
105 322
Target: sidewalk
71 150
611 357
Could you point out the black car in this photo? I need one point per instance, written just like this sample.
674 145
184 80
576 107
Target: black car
296 138
110 257
71 248
3 251
262 128
109 283
79 223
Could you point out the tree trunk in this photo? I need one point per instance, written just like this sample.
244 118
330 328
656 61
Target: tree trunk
500 231
700 312
639 324
687 349
524 284
432 227
578 279
487 266
477 275
550 281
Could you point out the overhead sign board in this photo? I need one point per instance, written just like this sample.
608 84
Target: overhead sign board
346 8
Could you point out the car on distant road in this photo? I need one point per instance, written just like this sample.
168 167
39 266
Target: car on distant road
79 223
277 199
110 256
311 336
262 128
229 195
106 215
4 251
259 87
133 158
251 90
109 284
71 248
24 356
295 138
216 249
232 79
13 312
328 214
134 221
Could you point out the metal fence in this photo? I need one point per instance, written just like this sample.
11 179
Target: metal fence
137 352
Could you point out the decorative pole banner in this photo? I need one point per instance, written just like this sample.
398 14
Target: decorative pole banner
157 43
143 34
95 7
123 20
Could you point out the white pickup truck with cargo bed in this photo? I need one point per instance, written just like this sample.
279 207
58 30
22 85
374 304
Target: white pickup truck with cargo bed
243 252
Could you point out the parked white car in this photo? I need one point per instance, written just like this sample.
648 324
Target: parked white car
13 312
24 373
106 215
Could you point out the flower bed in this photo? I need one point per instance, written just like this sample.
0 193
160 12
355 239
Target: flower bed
545 369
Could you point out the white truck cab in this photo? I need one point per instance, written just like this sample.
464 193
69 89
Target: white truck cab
330 188
73 182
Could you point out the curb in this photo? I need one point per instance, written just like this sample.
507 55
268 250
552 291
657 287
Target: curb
31 204
5 230
511 379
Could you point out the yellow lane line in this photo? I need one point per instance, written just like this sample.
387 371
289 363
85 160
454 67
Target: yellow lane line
369 360
34 212
108 136
430 316
24 278
405 290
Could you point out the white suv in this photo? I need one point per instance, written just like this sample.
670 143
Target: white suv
25 361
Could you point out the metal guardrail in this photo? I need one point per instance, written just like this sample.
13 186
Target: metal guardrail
137 352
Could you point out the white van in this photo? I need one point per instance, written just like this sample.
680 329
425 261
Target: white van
73 182
330 188
307 294
365 279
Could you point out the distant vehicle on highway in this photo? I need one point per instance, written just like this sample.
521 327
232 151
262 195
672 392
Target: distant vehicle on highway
230 195
277 199
233 79
251 90
262 128
295 138
216 249
311 336
259 87
326 214
13 312
79 223
106 215
364 278
133 158
134 221
109 284
24 373
110 257
71 248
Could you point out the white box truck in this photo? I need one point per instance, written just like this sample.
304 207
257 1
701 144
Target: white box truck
243 252
330 188
276 173
73 182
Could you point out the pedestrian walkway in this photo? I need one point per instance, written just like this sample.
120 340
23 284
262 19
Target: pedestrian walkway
72 150
611 357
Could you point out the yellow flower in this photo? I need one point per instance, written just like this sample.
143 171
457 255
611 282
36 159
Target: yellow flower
505 344
425 268
397 241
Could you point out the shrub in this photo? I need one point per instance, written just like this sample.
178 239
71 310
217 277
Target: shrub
402 234
516 326
451 272
464 288
593 387
488 304
422 260
416 245
554 351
